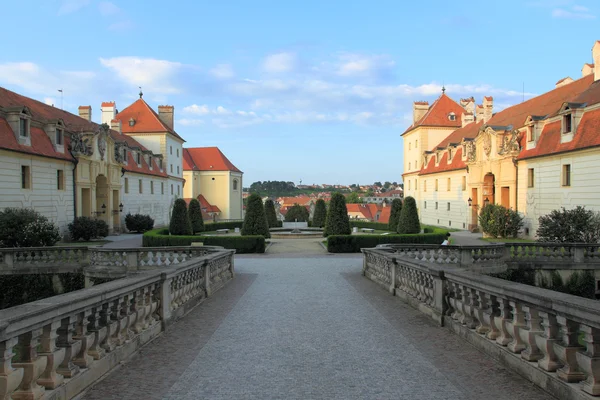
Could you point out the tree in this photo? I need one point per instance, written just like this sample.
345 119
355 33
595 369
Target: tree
271 214
353 198
25 227
297 213
337 221
409 217
387 184
180 220
378 184
195 214
499 221
578 225
255 221
320 214
395 215
369 192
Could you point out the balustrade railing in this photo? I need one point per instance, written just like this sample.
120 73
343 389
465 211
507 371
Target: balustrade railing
46 345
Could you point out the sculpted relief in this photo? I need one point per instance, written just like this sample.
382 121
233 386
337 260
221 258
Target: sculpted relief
81 145
487 143
510 143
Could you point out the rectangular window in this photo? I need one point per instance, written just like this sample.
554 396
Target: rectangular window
140 185
449 184
60 179
464 183
23 127
416 144
566 178
178 170
171 188
151 187
25 177
408 185
567 123
530 133
126 185
177 152
448 207
409 166
171 149
410 146
59 137
424 185
530 177
449 154
436 205
171 168
138 158
425 204
162 188
178 190
436 185
125 155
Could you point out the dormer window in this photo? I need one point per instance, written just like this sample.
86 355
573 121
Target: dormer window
150 161
24 127
452 116
131 121
449 154
567 123
125 156
531 133
138 158
59 137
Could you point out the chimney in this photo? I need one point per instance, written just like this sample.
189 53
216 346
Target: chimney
596 57
109 111
115 125
166 114
563 82
468 104
479 113
466 118
488 108
85 112
419 109
587 69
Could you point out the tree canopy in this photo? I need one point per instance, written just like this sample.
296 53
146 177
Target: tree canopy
270 213
337 221
353 198
409 217
255 220
320 214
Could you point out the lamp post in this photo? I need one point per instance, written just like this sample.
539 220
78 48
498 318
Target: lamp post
486 202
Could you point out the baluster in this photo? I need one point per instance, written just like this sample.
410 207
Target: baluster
515 325
33 366
99 332
490 312
140 306
72 347
53 354
501 321
455 301
589 361
119 314
83 359
532 320
546 341
10 378
109 321
132 315
468 308
567 349
480 306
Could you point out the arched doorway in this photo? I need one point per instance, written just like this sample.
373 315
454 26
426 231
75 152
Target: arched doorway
102 202
489 189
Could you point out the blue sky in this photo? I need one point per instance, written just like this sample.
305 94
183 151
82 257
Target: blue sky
311 90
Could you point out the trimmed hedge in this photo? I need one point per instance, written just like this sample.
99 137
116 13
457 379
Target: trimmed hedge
369 225
213 226
353 243
242 244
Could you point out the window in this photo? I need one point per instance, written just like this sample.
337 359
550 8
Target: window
449 184
416 186
425 204
178 170
150 162
141 186
436 185
151 187
448 206
24 127
171 165
126 185
452 116
171 149
530 177
464 183
60 179
530 133
567 123
59 137
125 155
177 152
408 185
449 154
171 188
138 158
178 190
566 178
424 185
436 205
409 166
235 184
416 144
409 146
25 177
162 188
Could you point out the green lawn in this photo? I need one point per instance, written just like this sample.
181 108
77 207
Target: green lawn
498 240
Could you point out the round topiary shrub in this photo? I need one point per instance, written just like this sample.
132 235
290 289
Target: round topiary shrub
255 220
24 227
395 215
320 214
87 228
195 214
297 213
139 223
409 217
271 214
180 221
337 221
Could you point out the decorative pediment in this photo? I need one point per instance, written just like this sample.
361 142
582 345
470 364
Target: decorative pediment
510 143
566 107
24 110
533 119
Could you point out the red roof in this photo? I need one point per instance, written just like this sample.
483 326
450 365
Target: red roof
369 211
290 201
438 112
146 119
204 204
443 166
40 143
384 217
206 159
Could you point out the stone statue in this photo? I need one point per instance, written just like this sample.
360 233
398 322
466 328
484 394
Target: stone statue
81 145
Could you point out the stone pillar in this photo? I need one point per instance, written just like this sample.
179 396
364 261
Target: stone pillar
32 365
545 342
439 297
54 356
207 268
165 299
10 378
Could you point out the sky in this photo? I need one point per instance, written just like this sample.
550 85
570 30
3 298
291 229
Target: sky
318 91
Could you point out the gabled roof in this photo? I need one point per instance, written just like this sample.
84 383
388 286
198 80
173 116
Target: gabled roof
290 201
443 166
368 211
146 119
438 112
206 159
384 217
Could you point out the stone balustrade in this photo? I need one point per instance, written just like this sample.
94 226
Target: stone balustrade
58 346
550 337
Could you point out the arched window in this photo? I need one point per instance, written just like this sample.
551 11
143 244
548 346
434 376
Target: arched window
235 184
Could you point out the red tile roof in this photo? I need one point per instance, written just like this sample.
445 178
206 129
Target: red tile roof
290 201
146 119
368 211
438 112
456 164
204 204
206 159
40 143
384 217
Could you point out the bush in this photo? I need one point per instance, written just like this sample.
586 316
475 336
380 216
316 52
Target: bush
271 214
139 222
569 226
408 222
297 212
337 221
195 215
497 221
395 215
255 222
24 227
371 225
87 228
320 214
353 243
180 221
241 244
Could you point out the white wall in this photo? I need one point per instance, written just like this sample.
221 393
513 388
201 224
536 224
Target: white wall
156 205
459 214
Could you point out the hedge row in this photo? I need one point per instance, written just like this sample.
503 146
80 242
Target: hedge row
353 243
213 226
369 225
242 244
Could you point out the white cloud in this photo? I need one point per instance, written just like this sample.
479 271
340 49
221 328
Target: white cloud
280 62
50 101
575 14
107 8
190 122
196 109
153 75
580 8
222 71
71 6
361 65
35 79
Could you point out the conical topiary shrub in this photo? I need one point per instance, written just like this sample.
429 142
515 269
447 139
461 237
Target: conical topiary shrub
271 214
255 221
180 221
409 217
297 213
395 215
337 221
320 214
195 214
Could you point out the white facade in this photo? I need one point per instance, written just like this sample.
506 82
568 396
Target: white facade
145 194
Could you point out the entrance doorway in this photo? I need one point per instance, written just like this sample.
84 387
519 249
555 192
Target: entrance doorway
489 189
86 202
505 196
474 209
102 203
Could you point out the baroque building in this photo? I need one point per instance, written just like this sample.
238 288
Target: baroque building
533 157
